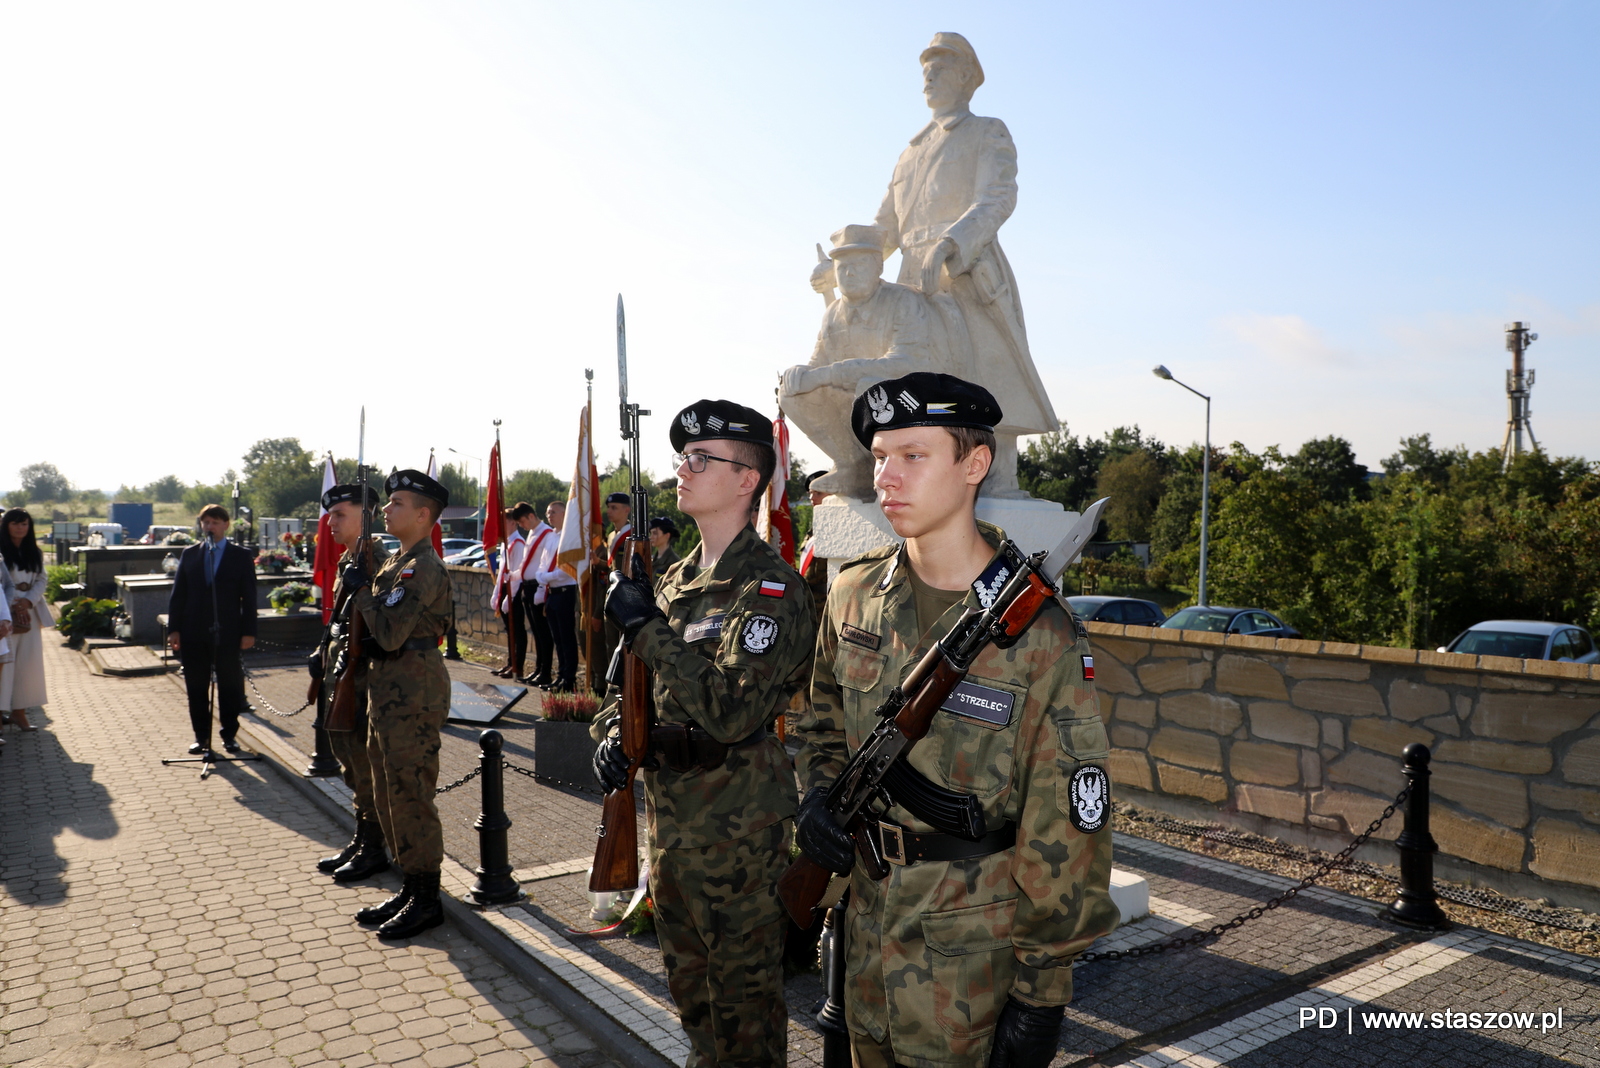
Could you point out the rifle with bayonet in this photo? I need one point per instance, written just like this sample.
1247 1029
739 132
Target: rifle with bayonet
344 709
616 854
1014 590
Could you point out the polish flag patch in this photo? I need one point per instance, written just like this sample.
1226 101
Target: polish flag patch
773 589
407 572
1088 669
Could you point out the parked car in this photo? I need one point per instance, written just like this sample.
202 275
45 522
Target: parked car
471 557
390 542
1231 621
1526 639
452 546
1117 610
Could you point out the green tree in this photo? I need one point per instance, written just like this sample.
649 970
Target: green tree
165 490
1328 466
1134 481
281 479
465 490
43 482
271 450
538 487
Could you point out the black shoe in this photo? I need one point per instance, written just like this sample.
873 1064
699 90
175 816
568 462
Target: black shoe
231 745
329 865
196 748
376 914
422 912
541 681
369 858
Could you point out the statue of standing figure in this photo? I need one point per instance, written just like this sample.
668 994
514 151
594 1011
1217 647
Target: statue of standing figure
953 188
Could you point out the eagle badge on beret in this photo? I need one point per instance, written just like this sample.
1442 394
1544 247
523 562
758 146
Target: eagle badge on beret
690 421
878 401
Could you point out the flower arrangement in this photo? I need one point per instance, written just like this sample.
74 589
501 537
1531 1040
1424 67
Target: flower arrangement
273 561
178 537
571 707
291 594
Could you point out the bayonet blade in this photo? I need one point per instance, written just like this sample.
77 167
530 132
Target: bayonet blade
1062 556
622 367
361 445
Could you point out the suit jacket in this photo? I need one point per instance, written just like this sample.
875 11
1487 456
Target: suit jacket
189 610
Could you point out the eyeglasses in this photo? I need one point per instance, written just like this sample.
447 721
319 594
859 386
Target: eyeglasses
697 461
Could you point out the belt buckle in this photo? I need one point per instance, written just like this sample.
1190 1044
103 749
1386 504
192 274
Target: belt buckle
892 839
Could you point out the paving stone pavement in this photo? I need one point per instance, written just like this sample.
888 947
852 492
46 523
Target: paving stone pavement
149 918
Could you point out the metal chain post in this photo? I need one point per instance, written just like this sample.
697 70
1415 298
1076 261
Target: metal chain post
495 884
1417 905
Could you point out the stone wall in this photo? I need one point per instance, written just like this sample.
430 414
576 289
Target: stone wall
1302 740
475 620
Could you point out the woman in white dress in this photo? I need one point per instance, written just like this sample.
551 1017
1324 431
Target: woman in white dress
22 680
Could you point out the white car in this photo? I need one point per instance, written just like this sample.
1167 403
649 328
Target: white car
1526 639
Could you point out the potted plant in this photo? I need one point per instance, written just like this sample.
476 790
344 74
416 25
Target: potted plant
563 753
289 597
273 562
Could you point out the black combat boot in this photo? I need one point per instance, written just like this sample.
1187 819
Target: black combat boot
369 858
332 864
375 914
423 911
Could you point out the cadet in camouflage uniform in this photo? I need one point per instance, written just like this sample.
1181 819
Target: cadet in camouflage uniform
728 636
406 608
962 957
364 856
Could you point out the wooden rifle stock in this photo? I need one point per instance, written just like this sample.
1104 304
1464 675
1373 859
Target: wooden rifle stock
344 709
616 853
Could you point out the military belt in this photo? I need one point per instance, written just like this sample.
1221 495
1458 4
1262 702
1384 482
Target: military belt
687 746
410 645
901 846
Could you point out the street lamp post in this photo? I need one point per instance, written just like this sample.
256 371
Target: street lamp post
1161 371
482 489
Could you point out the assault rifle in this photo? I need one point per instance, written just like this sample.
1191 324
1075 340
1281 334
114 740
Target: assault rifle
344 709
1013 590
616 854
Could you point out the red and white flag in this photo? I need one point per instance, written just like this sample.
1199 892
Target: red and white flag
773 523
325 564
493 529
438 532
581 531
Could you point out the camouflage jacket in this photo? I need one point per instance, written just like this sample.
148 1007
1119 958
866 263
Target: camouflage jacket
333 633
937 946
408 598
735 645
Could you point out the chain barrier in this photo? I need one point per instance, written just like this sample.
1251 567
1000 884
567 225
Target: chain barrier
468 777
536 777
1259 910
1470 896
249 677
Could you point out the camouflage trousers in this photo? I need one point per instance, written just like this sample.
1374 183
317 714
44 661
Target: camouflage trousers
355 766
722 932
403 750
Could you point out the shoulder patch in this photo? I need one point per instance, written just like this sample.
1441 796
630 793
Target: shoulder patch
773 589
760 634
1091 798
395 596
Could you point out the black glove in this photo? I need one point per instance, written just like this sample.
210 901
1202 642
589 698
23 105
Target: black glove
630 604
1026 1036
355 575
821 839
611 764
314 664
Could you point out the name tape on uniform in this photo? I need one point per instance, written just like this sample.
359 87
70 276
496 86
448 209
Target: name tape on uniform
987 705
857 636
701 629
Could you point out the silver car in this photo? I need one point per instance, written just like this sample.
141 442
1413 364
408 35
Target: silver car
1526 639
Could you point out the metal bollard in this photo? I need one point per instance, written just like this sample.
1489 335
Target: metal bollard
495 885
451 651
835 1034
1417 905
323 762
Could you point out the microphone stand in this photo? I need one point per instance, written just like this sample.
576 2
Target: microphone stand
208 759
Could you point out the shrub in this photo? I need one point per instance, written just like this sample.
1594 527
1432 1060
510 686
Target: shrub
571 707
86 617
58 575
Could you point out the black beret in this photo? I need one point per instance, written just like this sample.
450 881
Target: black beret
665 525
923 399
719 420
415 481
349 491
812 477
618 498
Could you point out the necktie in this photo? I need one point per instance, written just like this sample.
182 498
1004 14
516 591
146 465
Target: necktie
211 563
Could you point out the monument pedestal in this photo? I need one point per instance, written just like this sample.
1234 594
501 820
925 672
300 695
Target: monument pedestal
845 527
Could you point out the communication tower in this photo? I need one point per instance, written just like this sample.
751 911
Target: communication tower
1519 384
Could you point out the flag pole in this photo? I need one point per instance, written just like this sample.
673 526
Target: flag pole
586 606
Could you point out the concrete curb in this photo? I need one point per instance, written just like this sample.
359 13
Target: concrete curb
615 1042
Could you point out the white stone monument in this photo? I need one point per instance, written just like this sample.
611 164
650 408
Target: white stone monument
953 187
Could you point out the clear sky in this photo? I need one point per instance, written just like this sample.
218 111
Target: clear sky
224 222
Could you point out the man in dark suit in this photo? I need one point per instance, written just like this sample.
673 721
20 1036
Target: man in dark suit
211 620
